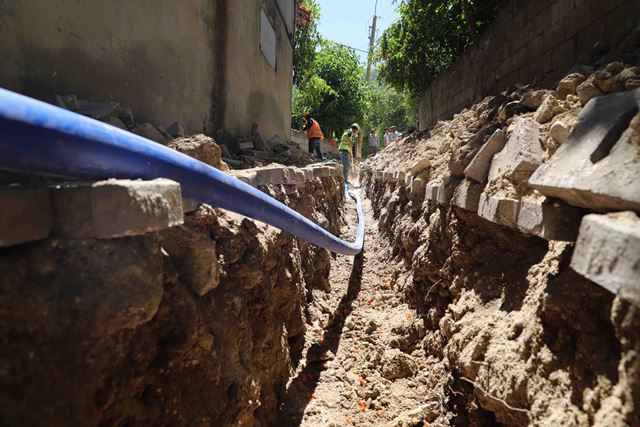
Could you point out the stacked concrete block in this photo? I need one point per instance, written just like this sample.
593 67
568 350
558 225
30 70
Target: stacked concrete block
522 153
500 210
25 216
115 208
549 219
597 167
478 168
270 176
467 195
607 252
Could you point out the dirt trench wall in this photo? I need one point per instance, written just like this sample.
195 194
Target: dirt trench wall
199 324
527 340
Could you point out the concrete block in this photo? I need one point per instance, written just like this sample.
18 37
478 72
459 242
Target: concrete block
248 176
417 189
431 192
607 252
26 214
115 208
323 171
445 192
408 179
147 130
99 110
478 168
293 176
115 121
126 115
399 175
597 167
500 210
522 154
467 195
549 219
246 145
270 176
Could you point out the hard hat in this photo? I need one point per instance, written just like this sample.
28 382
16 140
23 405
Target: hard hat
307 115
355 125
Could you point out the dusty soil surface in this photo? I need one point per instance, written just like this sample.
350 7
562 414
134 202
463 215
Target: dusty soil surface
363 363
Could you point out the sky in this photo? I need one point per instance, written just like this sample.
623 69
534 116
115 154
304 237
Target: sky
348 21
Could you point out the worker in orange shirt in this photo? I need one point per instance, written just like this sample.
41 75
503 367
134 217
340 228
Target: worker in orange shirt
314 134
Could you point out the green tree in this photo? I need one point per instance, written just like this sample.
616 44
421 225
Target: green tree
428 37
306 41
334 93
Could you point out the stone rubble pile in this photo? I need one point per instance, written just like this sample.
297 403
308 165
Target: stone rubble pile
538 161
245 152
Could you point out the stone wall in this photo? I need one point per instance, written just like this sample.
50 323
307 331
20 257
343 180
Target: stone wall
530 40
193 61
195 322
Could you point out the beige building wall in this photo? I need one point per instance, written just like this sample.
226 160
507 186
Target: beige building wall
195 61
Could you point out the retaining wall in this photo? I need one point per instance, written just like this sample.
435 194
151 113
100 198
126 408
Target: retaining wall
529 40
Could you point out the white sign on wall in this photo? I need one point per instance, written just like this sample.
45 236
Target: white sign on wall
268 42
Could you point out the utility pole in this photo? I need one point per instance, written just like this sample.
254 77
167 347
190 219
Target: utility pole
372 39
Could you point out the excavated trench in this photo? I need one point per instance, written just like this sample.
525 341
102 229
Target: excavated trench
450 315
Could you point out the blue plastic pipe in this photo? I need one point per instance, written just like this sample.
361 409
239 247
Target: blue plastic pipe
39 138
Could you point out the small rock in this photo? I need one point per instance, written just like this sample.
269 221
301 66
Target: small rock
99 110
533 98
607 82
569 84
114 121
587 90
397 364
559 131
126 115
547 110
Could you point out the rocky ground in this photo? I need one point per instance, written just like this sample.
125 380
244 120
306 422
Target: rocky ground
363 362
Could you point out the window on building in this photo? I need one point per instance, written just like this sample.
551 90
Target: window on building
268 42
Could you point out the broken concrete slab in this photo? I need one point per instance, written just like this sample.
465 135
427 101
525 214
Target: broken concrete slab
176 130
99 110
149 131
522 153
551 220
194 256
115 208
256 153
467 195
478 168
70 102
26 214
114 121
500 210
246 145
126 115
607 252
598 167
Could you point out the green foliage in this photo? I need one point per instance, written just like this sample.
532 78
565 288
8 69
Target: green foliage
387 107
334 93
306 42
428 37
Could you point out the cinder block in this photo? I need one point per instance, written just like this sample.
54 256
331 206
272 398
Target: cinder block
597 167
607 252
467 195
270 176
26 214
548 219
500 210
115 208
522 154
478 168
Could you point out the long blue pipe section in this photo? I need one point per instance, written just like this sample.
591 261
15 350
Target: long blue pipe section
39 138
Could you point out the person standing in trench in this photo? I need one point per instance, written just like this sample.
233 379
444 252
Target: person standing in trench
345 148
314 134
